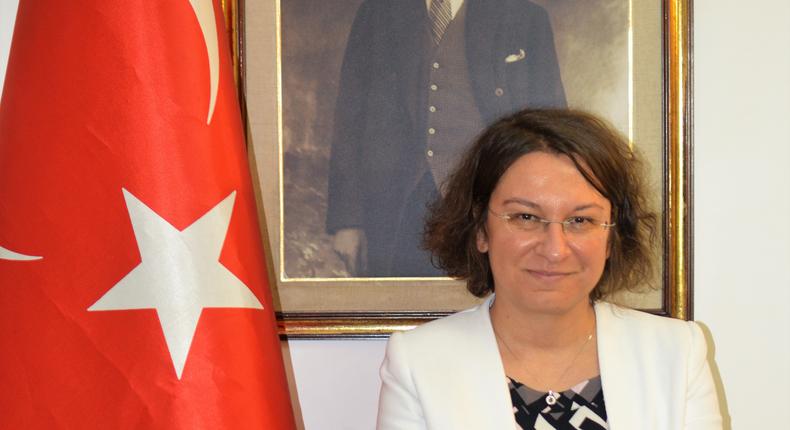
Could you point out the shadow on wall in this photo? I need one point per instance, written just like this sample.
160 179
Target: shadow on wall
725 411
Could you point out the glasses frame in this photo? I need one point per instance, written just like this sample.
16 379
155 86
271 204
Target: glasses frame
509 216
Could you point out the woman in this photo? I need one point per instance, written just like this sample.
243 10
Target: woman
548 211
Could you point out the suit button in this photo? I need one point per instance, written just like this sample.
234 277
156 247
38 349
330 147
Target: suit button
431 130
499 92
434 87
432 108
430 153
435 65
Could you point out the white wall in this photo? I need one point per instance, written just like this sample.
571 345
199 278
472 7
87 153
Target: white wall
337 382
7 16
742 231
742 201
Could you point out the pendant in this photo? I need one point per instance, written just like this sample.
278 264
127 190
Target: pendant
551 398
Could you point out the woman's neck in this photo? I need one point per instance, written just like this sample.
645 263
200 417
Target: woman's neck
546 331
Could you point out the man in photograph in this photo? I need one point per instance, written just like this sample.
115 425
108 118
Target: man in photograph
420 78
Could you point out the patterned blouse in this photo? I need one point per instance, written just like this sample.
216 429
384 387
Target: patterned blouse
579 408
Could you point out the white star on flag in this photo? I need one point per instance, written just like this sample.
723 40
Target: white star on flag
180 274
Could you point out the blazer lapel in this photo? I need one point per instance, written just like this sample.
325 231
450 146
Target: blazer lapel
619 374
482 23
410 29
485 20
494 406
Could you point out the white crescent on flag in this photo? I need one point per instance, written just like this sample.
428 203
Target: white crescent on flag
204 11
7 254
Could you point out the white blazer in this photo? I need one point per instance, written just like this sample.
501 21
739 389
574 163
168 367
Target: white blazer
448 375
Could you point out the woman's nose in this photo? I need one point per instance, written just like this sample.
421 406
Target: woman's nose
553 244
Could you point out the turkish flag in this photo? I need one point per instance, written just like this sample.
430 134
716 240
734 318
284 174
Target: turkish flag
133 286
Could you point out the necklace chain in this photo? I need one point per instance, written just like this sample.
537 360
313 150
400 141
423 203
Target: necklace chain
551 396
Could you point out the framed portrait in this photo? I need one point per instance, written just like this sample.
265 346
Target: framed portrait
341 101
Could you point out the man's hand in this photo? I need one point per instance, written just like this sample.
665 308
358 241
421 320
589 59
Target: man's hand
351 245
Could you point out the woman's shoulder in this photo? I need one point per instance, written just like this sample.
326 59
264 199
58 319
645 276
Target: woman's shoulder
616 311
634 324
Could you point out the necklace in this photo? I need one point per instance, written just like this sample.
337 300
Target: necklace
551 396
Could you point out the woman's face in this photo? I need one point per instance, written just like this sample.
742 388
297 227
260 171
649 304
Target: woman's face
546 270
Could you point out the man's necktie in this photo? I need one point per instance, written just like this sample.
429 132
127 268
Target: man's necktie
440 13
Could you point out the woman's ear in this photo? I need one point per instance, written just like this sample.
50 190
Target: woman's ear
482 240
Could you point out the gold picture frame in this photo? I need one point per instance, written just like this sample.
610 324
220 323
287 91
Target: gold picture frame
338 307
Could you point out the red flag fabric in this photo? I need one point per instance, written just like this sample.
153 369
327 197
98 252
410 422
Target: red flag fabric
133 288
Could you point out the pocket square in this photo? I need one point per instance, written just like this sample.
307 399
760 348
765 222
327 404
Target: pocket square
512 58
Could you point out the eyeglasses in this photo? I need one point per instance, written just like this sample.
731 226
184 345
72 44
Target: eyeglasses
576 225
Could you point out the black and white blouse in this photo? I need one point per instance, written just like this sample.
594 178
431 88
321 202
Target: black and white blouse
579 408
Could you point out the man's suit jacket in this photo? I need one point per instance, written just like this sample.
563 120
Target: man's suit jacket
448 374
379 141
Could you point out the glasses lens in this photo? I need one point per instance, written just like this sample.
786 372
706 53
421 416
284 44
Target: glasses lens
524 222
581 225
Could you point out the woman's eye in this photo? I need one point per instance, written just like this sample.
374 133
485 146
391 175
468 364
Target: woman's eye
524 217
580 220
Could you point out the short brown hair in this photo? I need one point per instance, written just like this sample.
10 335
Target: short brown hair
611 166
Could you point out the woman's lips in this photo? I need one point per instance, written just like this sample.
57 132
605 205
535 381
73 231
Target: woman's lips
548 274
